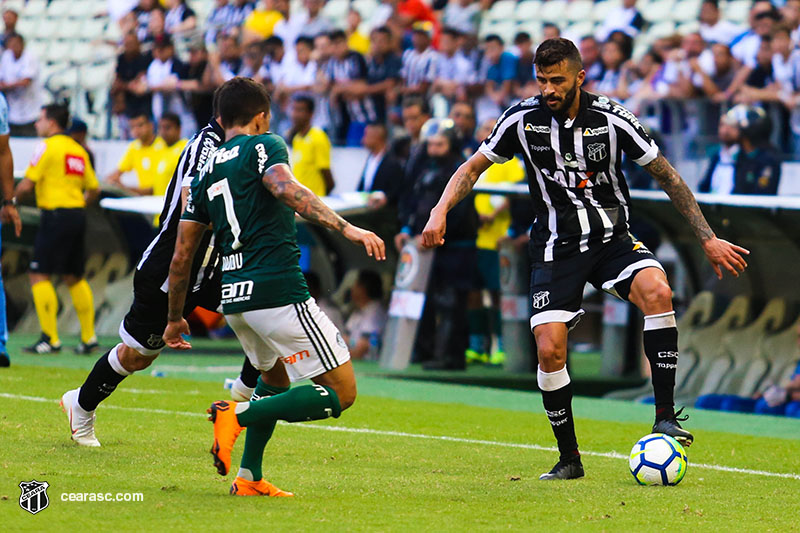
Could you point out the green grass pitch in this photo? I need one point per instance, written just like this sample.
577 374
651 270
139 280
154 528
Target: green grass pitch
407 456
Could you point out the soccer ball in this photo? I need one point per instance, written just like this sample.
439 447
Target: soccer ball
658 459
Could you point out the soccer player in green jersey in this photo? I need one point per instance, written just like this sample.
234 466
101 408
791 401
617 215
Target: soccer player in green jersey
246 192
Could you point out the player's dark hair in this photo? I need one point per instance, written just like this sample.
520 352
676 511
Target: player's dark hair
58 114
554 51
337 35
306 40
239 100
306 100
171 117
493 37
215 103
372 283
412 101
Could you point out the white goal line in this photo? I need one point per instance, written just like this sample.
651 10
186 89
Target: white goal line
402 434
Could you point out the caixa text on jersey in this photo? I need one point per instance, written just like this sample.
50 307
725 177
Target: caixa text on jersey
576 179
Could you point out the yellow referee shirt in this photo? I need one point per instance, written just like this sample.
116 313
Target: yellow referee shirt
146 161
166 167
310 155
61 170
485 204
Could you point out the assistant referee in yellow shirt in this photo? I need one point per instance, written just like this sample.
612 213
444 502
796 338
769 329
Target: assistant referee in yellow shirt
62 177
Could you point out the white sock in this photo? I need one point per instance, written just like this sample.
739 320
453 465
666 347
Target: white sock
245 473
116 365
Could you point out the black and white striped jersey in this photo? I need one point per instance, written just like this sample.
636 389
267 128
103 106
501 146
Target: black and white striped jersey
579 193
154 264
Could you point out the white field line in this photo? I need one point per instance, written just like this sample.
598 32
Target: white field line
445 438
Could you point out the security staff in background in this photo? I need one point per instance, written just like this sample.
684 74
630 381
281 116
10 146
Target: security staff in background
758 164
64 182
443 334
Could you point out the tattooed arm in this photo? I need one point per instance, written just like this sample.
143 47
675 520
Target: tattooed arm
458 188
720 253
681 196
190 234
280 182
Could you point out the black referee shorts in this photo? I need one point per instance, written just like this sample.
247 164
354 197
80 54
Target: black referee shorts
59 244
557 286
142 327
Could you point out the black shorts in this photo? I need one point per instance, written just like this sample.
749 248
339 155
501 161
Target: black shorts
557 286
59 244
142 327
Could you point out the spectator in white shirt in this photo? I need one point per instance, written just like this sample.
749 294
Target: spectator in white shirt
625 18
715 29
19 81
364 327
163 76
763 17
453 69
463 15
309 22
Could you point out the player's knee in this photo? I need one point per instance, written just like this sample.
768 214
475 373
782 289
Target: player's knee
551 350
133 361
347 396
658 298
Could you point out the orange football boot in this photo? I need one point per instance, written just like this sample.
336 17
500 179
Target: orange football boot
242 487
226 430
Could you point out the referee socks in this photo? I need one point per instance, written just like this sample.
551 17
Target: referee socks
661 349
556 390
45 301
107 373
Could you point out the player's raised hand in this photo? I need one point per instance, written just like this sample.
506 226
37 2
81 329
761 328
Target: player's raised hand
433 234
173 335
723 254
372 243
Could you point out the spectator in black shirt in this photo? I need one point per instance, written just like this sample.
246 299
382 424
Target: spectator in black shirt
383 73
463 116
129 88
10 18
524 83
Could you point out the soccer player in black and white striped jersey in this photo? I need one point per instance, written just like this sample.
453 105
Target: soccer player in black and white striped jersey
572 143
141 329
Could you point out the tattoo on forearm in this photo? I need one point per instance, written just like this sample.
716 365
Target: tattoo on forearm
680 194
287 189
459 186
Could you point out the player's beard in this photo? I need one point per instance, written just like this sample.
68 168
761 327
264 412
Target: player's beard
564 104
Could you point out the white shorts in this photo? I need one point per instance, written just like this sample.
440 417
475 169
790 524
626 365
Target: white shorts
300 335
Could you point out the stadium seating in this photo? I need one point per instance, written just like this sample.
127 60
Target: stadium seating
704 345
738 367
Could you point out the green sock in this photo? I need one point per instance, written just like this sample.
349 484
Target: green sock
257 436
299 404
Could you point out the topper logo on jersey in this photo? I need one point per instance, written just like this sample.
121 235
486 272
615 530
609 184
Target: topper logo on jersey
594 132
576 179
237 292
74 165
537 129
596 151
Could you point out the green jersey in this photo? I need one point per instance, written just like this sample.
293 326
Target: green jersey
255 231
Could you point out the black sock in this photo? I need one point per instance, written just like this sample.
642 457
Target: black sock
556 390
661 349
249 374
99 384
